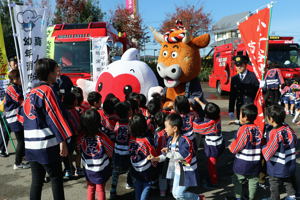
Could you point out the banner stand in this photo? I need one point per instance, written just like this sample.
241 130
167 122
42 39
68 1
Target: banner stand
11 5
2 133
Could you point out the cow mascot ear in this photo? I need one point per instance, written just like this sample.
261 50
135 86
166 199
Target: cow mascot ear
201 41
179 62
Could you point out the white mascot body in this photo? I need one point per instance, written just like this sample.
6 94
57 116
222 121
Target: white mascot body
124 76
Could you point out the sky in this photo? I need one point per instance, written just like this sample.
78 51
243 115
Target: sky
285 19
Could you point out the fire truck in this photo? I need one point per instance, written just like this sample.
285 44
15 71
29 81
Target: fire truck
283 53
72 46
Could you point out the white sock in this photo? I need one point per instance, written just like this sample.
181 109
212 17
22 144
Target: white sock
296 115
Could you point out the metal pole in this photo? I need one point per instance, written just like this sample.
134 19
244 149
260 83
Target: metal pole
3 138
15 41
8 133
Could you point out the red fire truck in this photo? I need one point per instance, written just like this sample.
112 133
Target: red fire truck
283 53
72 46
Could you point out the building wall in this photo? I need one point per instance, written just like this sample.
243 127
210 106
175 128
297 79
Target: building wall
227 35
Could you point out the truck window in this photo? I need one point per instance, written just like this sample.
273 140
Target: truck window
284 56
74 57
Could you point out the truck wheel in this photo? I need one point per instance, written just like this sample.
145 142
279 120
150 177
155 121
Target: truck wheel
218 88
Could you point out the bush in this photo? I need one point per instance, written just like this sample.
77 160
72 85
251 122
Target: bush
207 64
204 74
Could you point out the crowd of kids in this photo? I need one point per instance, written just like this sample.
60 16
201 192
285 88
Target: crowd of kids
105 138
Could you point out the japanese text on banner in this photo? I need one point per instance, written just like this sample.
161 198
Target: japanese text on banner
255 32
31 30
100 56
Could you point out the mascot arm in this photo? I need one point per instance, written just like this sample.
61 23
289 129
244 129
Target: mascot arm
195 90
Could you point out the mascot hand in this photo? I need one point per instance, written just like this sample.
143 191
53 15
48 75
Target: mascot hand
153 90
169 105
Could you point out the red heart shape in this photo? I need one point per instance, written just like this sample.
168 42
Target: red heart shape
106 84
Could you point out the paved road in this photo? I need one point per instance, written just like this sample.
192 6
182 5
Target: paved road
14 184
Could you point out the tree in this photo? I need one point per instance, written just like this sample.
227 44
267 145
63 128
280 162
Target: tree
7 30
77 11
194 20
125 22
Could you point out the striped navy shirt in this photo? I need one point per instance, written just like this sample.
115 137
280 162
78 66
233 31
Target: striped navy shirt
44 125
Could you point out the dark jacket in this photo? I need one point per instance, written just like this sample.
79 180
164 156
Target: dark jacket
62 86
242 91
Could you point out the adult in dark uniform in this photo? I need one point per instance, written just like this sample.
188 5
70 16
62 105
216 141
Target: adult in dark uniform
243 86
63 85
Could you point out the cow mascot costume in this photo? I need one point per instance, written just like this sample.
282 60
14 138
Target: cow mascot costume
179 63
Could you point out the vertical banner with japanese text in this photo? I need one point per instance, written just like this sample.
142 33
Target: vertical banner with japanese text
50 43
4 81
255 33
31 29
100 56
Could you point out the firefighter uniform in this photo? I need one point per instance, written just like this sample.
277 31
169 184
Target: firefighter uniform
243 87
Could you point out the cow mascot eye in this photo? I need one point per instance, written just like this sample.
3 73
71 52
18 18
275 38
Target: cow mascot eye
165 53
127 89
174 54
100 86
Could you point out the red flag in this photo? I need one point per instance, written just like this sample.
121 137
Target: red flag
255 32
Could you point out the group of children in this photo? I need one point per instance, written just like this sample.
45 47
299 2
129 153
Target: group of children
153 145
150 144
290 97
278 90
276 147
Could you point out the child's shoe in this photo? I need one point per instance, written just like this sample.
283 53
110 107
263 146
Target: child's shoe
79 172
291 197
3 154
128 187
21 166
67 175
263 186
287 112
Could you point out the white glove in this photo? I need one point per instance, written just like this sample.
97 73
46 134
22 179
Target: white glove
231 115
262 84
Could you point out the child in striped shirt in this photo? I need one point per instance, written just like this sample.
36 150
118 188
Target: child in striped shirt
180 162
144 173
247 149
160 142
214 143
96 150
280 153
121 155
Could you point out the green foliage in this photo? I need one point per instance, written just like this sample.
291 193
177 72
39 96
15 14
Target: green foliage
77 11
207 65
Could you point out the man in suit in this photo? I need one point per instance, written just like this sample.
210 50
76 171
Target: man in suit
63 85
243 86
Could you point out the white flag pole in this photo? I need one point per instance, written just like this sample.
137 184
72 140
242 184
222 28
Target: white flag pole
10 5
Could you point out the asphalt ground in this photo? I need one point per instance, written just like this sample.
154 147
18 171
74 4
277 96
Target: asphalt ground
15 184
